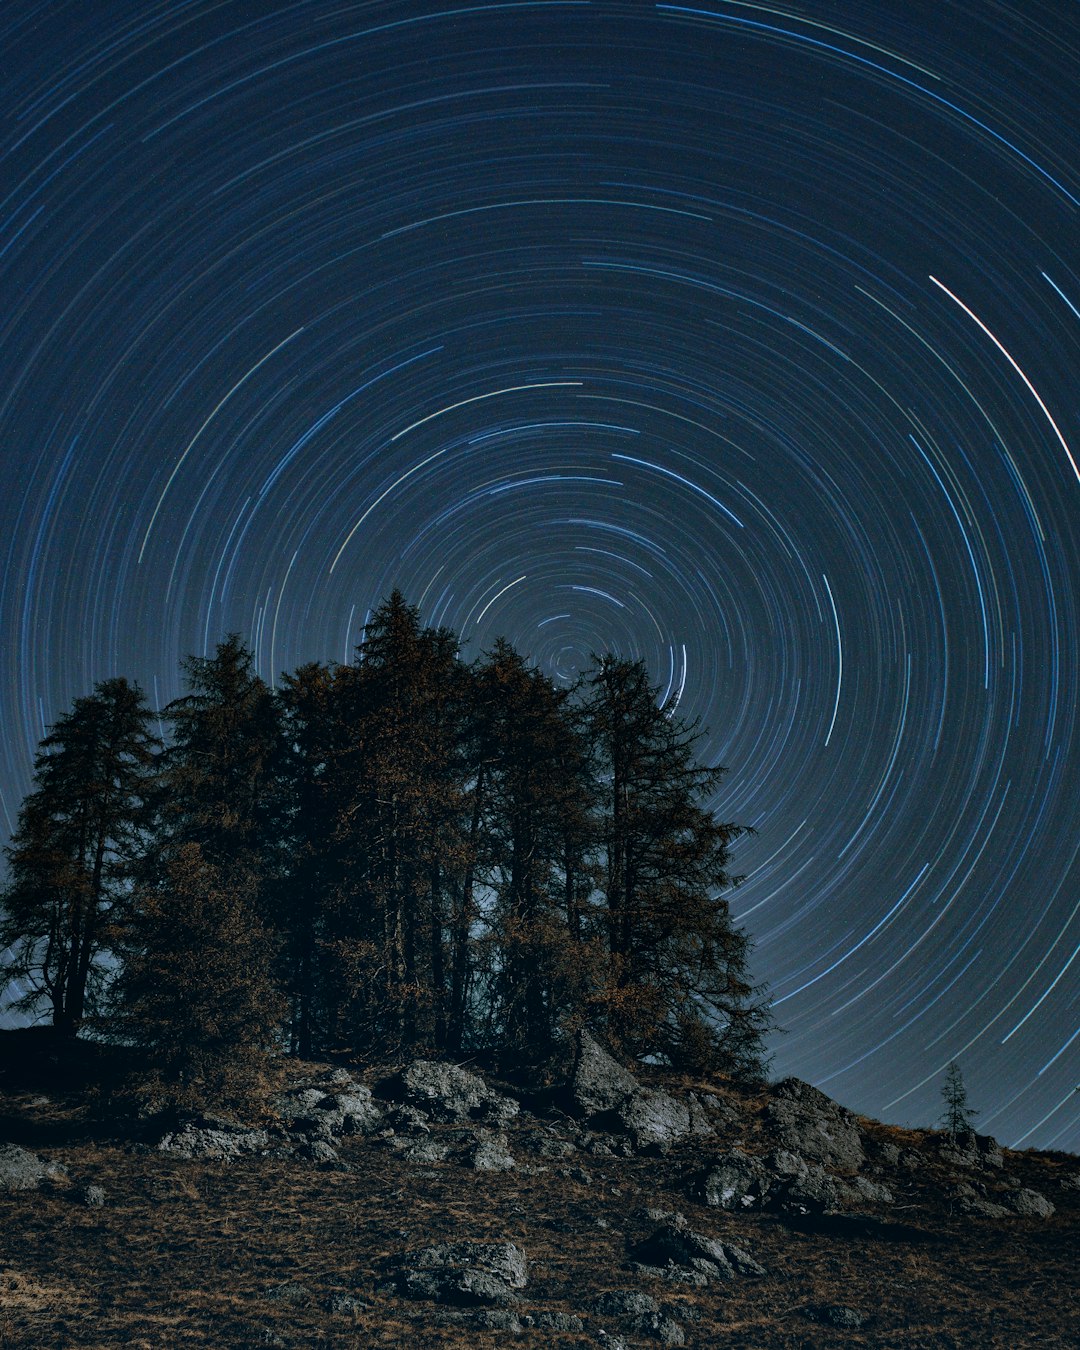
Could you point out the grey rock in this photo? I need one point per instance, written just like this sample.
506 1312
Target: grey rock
734 1180
553 1321
741 1259
654 1119
675 1243
640 1313
968 1149
1030 1204
625 1303
316 1151
983 1209
808 1122
812 1192
598 1082
555 1148
1071 1183
836 1315
678 1245
93 1197
653 1214
346 1305
422 1150
491 1153
214 1139
874 1192
887 1154
701 1122
465 1273
695 1279
21 1170
405 1120
448 1092
294 1294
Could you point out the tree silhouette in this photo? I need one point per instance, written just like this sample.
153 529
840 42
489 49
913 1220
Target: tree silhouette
957 1117
79 833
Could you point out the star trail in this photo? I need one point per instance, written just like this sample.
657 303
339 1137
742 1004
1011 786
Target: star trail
741 338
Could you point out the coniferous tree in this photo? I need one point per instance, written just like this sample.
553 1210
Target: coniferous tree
219 781
196 992
958 1116
303 898
196 996
535 841
399 793
677 982
79 833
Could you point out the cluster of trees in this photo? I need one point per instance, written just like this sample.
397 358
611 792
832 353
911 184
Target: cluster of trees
405 853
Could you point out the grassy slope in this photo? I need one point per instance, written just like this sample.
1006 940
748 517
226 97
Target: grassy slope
186 1253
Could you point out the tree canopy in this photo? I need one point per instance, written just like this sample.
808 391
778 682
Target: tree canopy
404 852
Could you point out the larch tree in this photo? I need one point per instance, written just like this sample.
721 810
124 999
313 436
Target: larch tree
196 997
305 890
79 833
677 983
197 992
958 1116
536 836
399 794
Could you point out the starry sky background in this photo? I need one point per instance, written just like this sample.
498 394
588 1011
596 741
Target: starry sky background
742 338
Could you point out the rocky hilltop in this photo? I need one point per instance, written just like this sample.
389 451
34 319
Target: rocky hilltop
430 1204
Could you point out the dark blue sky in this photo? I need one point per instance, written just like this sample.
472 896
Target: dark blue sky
740 337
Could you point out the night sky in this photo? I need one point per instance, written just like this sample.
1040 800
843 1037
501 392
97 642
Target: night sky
742 338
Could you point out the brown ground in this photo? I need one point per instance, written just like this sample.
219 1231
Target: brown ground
186 1253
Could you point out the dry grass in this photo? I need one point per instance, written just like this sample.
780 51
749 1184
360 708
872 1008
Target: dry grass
187 1254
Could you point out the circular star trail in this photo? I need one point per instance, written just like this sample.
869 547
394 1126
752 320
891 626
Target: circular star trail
741 338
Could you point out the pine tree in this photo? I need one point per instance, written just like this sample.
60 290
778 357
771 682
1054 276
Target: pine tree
399 792
535 839
196 997
303 897
678 984
71 856
957 1117
219 782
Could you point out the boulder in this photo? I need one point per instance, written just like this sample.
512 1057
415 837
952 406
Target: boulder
448 1092
835 1315
21 1170
968 1149
93 1197
553 1321
465 1273
211 1137
422 1150
598 1082
806 1121
639 1313
734 1180
654 1120
675 1243
346 1108
490 1153
1030 1204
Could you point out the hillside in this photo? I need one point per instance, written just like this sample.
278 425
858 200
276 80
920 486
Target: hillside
433 1205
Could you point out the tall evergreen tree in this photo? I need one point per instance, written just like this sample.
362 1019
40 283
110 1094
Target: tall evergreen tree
399 788
678 982
196 995
219 783
958 1116
303 897
79 833
536 837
